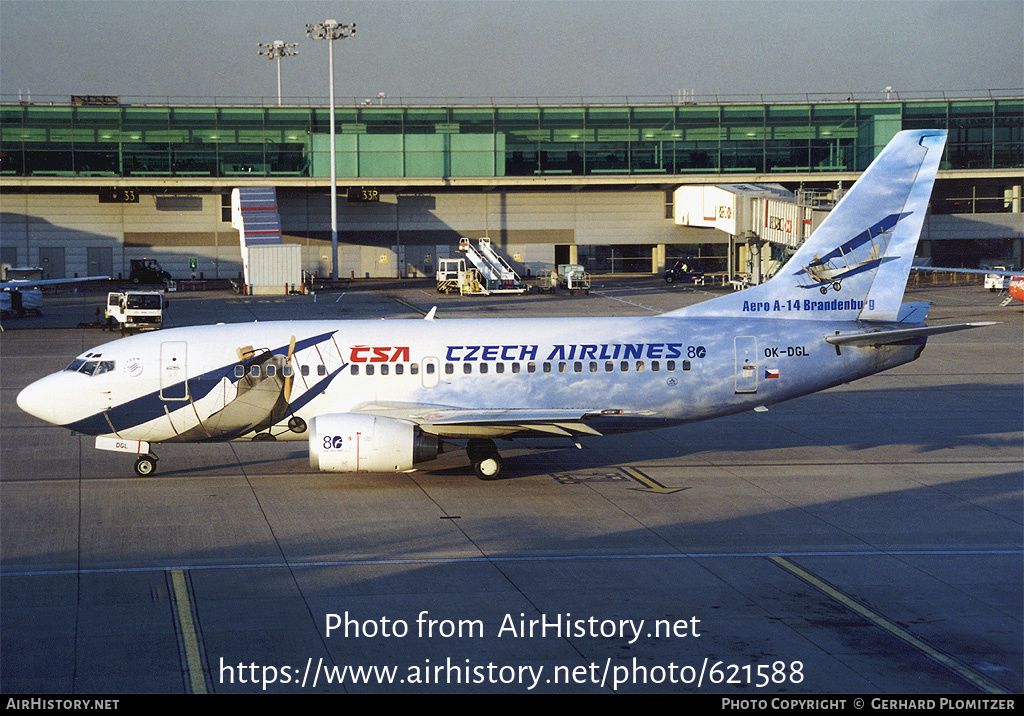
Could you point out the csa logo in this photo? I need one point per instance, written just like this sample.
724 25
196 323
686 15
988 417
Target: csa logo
379 354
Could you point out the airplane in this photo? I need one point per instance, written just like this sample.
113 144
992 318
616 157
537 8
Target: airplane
387 396
22 295
1017 288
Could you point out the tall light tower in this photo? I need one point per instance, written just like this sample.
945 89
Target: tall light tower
331 30
275 51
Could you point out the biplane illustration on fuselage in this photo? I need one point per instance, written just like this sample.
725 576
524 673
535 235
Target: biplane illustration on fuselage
387 396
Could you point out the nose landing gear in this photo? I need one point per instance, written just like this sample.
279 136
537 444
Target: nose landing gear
145 466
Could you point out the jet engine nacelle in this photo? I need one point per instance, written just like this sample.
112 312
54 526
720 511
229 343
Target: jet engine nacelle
366 443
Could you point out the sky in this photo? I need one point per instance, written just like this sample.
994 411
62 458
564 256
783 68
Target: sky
432 50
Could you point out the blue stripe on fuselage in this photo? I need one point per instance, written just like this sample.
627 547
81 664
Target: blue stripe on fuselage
148 407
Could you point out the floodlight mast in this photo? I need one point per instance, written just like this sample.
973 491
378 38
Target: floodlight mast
275 51
332 30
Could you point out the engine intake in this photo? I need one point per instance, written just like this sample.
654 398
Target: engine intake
367 443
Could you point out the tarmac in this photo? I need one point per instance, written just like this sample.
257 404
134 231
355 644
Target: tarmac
863 540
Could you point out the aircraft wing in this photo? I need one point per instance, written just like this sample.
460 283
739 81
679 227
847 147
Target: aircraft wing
48 282
985 272
882 336
452 422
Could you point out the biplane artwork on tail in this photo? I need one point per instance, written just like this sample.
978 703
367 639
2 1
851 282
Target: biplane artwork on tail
862 253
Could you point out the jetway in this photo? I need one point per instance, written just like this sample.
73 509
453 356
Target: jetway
497 274
767 210
765 221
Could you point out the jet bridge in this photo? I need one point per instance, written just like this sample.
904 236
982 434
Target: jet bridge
498 276
767 210
753 215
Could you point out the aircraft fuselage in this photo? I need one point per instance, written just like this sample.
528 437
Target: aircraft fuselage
638 373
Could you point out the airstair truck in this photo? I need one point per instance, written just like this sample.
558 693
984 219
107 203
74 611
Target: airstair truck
496 273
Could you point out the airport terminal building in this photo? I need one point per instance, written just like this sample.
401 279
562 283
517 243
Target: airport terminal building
88 184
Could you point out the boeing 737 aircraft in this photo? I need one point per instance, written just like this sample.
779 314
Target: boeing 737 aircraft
384 396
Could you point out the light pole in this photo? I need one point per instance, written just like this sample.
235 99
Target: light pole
275 51
331 30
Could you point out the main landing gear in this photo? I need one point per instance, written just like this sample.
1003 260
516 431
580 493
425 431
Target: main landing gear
483 454
145 466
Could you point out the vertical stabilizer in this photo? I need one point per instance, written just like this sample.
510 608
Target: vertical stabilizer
855 266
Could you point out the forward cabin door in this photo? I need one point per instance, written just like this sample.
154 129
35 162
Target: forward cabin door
174 370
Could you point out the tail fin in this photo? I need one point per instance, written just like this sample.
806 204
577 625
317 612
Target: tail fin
855 266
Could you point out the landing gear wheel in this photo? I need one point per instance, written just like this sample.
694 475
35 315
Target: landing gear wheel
489 468
296 424
824 290
837 285
145 466
487 463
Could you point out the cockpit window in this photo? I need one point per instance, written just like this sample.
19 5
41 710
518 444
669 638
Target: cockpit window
91 367
104 366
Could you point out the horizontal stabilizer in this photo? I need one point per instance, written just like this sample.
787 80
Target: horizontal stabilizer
882 337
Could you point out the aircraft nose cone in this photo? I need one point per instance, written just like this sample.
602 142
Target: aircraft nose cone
38 399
